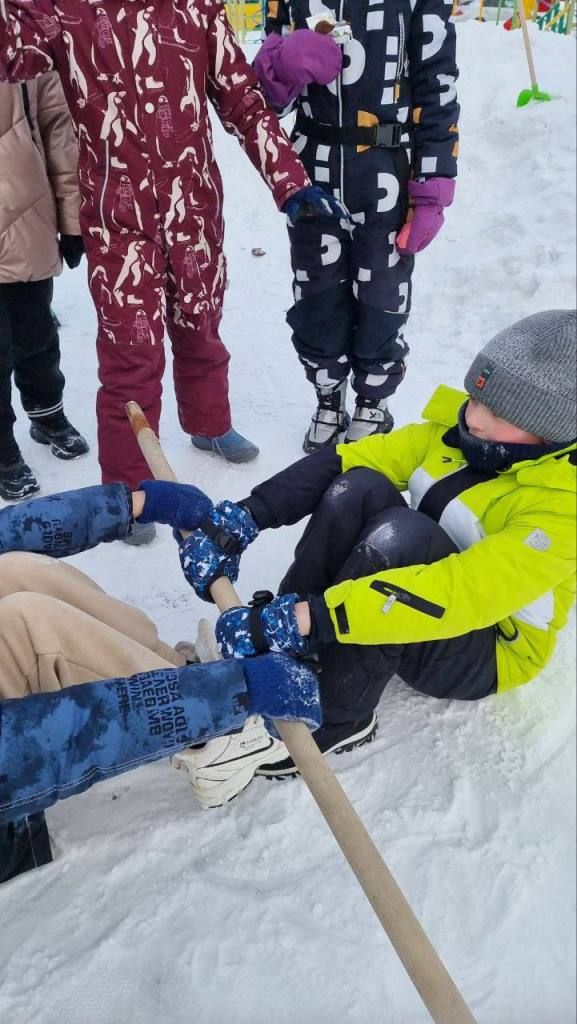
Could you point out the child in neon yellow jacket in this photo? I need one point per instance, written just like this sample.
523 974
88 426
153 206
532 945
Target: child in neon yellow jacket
463 593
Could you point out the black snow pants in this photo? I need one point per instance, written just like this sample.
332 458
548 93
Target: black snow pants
29 348
24 845
361 526
351 287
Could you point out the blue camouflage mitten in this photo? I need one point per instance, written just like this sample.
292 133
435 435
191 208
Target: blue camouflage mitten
244 632
182 506
313 201
215 548
280 687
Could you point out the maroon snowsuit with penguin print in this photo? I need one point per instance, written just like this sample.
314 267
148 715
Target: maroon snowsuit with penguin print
138 75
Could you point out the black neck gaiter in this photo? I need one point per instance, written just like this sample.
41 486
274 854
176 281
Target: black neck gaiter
496 456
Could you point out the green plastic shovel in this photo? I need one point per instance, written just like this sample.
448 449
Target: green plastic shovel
534 93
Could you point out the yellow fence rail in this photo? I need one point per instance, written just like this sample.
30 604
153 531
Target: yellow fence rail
246 17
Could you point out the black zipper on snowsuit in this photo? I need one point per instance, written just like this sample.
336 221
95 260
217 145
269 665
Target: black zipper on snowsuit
419 604
27 114
340 102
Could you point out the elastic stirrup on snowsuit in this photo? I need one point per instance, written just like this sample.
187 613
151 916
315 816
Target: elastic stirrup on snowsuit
330 417
371 416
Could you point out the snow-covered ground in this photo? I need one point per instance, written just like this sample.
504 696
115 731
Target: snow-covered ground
156 912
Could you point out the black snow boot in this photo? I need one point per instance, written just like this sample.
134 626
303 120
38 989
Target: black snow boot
330 418
17 481
24 844
330 739
64 440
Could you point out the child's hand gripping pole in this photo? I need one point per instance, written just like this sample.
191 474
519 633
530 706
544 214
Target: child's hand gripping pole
424 967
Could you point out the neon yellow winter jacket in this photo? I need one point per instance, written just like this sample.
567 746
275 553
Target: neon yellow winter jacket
516 536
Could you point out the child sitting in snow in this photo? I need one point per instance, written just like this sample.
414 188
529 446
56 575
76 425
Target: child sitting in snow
58 628
461 595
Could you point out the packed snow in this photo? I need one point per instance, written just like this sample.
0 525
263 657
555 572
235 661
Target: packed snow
156 911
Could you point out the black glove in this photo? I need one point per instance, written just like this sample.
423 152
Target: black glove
71 249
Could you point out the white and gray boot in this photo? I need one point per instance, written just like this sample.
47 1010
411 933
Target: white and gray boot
371 416
330 418
220 769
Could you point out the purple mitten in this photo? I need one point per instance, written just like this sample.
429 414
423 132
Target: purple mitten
285 64
428 199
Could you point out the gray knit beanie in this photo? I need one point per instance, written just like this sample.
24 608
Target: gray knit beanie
526 374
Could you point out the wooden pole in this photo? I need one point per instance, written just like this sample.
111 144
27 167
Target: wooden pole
423 965
527 42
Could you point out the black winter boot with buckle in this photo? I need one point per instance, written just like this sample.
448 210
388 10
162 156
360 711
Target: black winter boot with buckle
371 416
329 420
64 440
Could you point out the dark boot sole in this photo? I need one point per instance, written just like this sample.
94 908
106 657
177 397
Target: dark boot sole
24 492
342 748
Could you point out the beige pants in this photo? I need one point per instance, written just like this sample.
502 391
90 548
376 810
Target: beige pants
57 628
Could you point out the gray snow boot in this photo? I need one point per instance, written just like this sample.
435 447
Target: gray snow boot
141 533
232 446
330 418
371 416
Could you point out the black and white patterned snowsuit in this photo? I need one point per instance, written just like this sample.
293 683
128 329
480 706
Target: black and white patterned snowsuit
352 289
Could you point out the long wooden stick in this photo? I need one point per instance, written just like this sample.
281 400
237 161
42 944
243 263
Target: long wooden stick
527 42
424 967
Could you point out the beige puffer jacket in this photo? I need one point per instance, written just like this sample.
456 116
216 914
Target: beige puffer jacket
38 180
